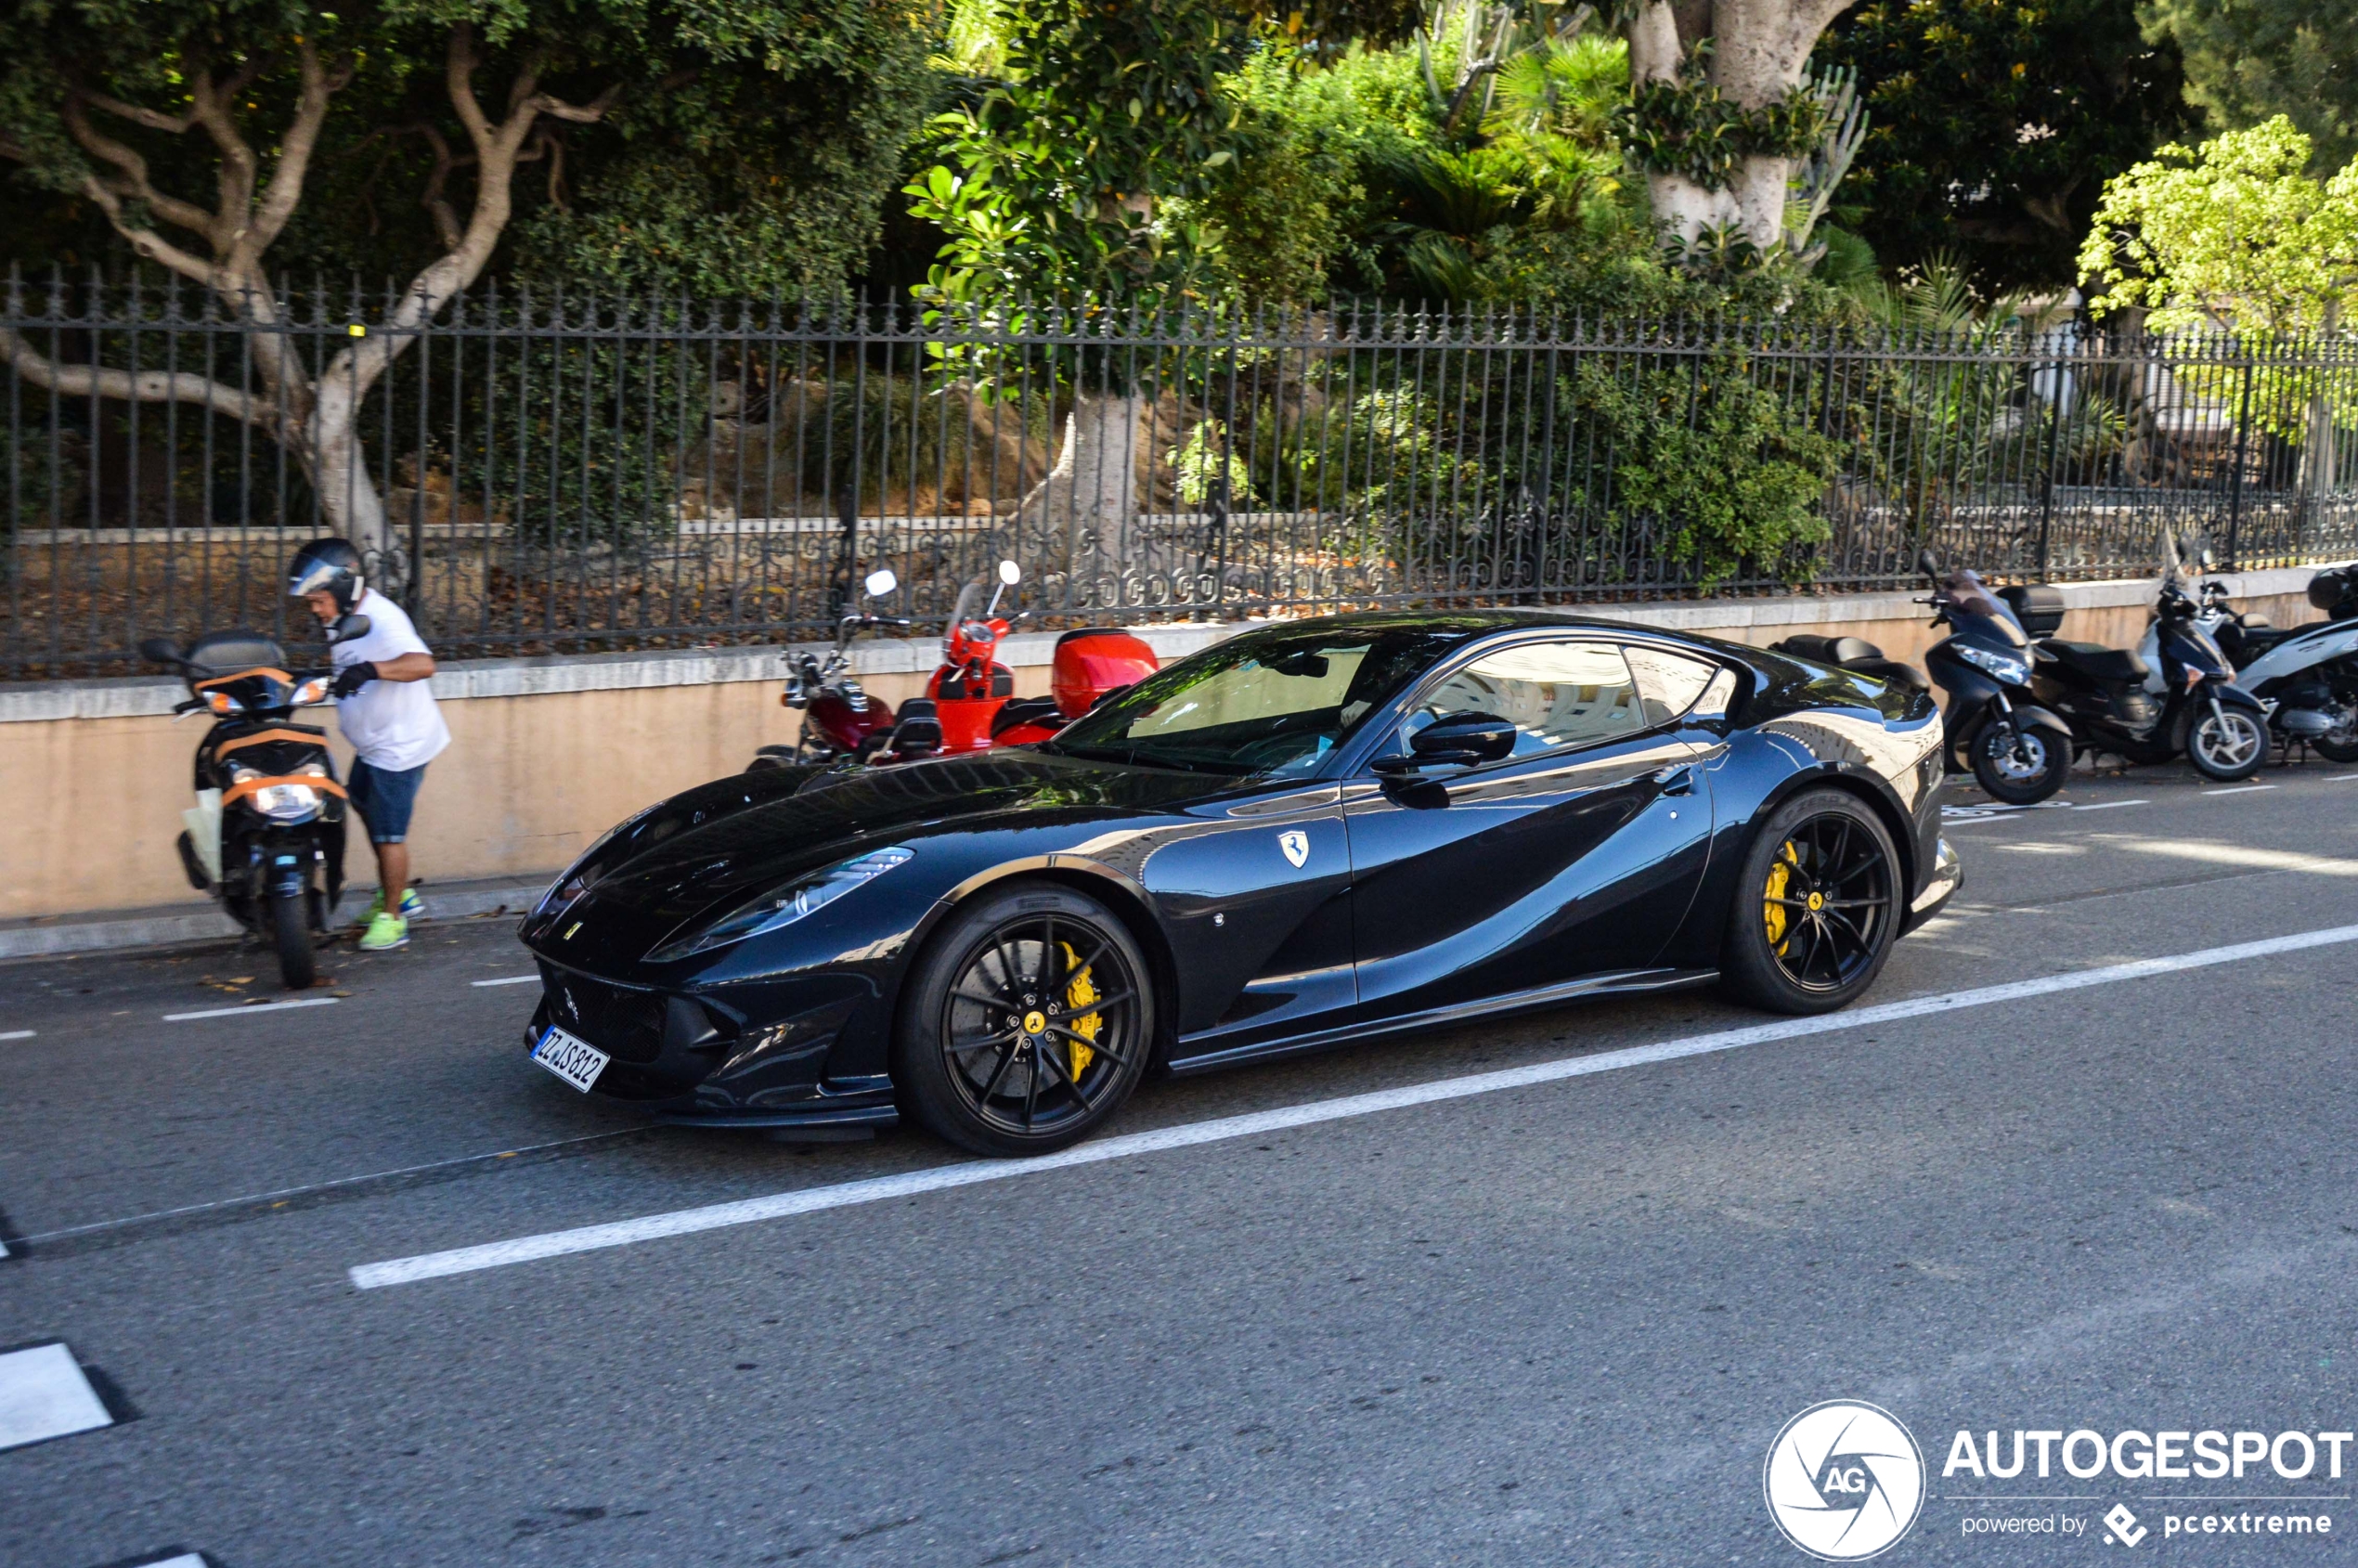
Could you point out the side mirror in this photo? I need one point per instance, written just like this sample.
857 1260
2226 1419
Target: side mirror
1928 562
1459 740
1010 574
161 650
2209 558
349 626
880 583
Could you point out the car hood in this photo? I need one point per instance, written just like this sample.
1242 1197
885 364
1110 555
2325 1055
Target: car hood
703 852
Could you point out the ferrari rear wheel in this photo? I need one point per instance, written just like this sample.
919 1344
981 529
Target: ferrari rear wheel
1027 1023
1816 908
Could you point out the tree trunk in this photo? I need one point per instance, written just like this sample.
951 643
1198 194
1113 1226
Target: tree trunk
1078 518
337 465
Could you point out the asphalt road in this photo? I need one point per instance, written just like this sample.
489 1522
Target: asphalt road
1553 1324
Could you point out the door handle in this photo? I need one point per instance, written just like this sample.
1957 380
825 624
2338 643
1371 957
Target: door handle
1677 779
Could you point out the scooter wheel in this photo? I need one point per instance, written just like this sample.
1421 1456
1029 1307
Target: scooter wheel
2019 767
291 931
2228 745
2341 743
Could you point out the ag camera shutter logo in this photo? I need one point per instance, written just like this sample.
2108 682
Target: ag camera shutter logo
1843 1480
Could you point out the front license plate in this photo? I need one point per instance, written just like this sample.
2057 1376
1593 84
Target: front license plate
575 1061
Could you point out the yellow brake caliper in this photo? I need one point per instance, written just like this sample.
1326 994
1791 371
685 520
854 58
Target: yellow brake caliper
1773 913
1079 994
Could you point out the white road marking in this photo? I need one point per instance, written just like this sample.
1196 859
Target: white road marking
507 979
16 1034
2237 855
1967 815
2239 789
2110 805
252 1007
683 1222
2340 778
186 1560
44 1394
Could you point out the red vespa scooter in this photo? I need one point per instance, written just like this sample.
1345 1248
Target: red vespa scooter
972 692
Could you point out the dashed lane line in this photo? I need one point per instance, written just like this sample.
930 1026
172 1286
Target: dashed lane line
505 979
2239 789
16 1034
45 1393
684 1221
250 1008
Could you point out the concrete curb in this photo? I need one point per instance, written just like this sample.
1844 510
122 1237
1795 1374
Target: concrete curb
211 925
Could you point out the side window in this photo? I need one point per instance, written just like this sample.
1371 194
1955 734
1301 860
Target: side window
1555 693
1667 684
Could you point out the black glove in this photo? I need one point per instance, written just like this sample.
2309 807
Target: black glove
351 678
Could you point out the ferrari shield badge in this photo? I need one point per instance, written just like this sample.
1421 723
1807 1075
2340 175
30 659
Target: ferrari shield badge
1296 844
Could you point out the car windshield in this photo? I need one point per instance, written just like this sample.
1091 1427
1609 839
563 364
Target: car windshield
1268 704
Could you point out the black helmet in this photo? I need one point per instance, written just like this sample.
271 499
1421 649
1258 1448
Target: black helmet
330 563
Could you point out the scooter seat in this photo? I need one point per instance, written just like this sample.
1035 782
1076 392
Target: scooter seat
218 653
2096 661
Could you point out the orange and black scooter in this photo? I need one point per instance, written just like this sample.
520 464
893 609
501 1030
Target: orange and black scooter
266 836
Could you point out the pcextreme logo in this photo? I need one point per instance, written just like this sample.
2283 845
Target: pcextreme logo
1843 1480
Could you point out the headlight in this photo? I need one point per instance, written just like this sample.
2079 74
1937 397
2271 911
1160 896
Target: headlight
2005 667
784 906
281 802
312 690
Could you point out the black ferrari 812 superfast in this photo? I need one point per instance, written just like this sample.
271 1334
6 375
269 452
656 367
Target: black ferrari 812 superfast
1312 833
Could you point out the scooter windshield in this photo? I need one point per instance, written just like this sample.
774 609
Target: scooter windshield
1968 598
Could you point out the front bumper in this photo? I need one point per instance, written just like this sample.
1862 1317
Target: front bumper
1948 875
750 1056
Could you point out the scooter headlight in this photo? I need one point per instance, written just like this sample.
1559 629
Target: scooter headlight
281 802
2005 667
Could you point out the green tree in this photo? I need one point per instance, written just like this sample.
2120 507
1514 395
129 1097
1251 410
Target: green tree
2237 236
204 133
1993 124
2248 60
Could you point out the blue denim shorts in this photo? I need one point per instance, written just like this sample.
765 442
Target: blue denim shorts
383 798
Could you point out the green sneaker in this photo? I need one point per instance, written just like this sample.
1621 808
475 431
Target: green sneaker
385 932
412 906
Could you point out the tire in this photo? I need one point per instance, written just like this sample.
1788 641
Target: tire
291 932
2018 765
2235 753
2341 743
1817 905
982 1055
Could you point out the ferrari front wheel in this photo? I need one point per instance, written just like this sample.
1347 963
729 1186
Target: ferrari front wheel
1817 906
1026 1023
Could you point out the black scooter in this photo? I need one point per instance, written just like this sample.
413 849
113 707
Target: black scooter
266 836
2115 704
2017 750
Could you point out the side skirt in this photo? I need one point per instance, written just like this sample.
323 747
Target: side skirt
1620 983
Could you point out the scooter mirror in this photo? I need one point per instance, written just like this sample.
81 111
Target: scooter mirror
1928 562
2209 558
161 650
348 628
1010 574
881 582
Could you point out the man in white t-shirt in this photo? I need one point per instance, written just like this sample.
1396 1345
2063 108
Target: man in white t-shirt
387 711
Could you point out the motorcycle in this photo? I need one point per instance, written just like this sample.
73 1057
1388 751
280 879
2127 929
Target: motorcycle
2306 677
266 836
968 703
2176 694
840 720
2017 750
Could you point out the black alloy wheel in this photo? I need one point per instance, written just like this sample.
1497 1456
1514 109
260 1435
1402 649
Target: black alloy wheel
1818 907
1028 1022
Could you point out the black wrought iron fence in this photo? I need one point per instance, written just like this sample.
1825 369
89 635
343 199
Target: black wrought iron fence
550 473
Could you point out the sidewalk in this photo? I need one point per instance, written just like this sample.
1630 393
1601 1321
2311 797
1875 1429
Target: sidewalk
51 935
